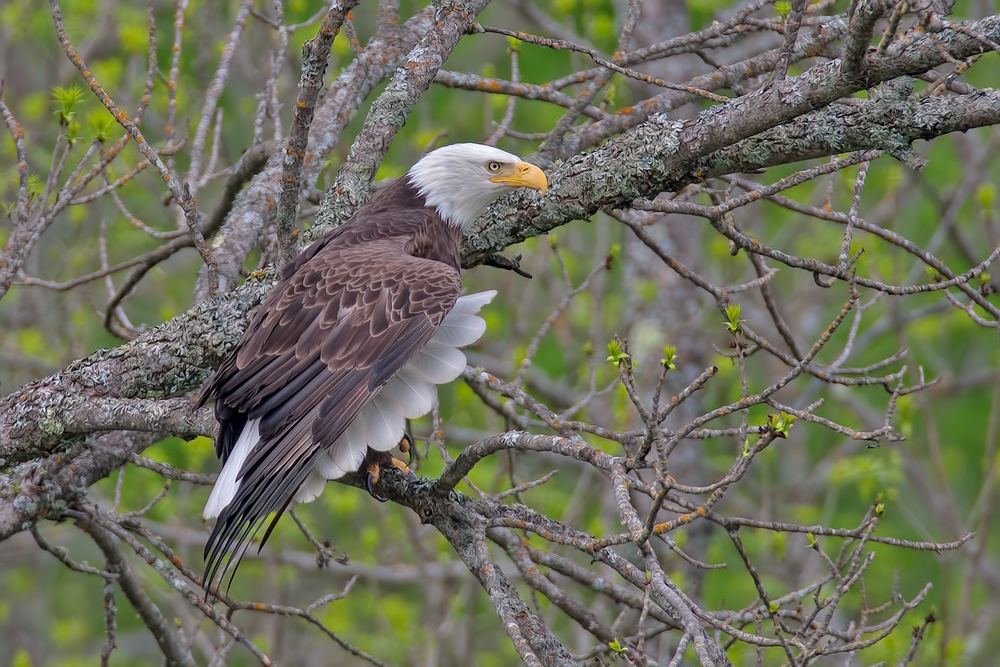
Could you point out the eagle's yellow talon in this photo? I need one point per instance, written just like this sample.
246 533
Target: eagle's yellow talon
372 471
399 465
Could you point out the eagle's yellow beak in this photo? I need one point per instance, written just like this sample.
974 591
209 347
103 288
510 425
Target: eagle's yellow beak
524 176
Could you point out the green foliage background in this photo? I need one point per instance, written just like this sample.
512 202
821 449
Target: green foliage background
50 616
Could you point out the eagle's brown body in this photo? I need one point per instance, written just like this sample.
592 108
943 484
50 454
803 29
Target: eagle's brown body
348 314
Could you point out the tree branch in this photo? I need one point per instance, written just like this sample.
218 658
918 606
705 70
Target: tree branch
174 652
254 208
315 58
182 196
42 488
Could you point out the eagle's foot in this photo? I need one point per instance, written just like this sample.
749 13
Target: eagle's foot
375 461
406 446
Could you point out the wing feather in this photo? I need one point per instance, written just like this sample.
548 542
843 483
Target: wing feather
438 363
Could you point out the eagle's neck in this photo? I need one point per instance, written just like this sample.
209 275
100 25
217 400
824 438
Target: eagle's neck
399 194
437 240
432 236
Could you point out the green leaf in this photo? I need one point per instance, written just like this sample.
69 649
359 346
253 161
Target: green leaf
35 185
21 658
609 97
986 194
616 352
616 646
66 99
869 474
73 132
733 322
780 424
784 8
101 122
669 357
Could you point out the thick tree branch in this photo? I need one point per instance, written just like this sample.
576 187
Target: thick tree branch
249 165
863 15
42 488
641 161
168 361
785 99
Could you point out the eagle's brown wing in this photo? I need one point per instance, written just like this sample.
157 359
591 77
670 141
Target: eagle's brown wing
339 325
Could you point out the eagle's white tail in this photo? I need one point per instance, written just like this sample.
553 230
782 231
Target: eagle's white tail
227 484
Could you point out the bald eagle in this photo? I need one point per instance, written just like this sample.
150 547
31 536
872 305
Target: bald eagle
350 343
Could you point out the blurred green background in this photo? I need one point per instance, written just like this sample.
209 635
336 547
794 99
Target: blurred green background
413 602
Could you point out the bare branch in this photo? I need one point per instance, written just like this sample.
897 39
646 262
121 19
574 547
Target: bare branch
315 56
174 653
183 197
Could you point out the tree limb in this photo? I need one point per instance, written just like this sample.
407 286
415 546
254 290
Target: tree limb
174 652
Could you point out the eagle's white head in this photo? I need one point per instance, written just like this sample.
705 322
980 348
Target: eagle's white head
461 180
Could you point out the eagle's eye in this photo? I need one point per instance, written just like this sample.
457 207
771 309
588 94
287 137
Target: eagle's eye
493 166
